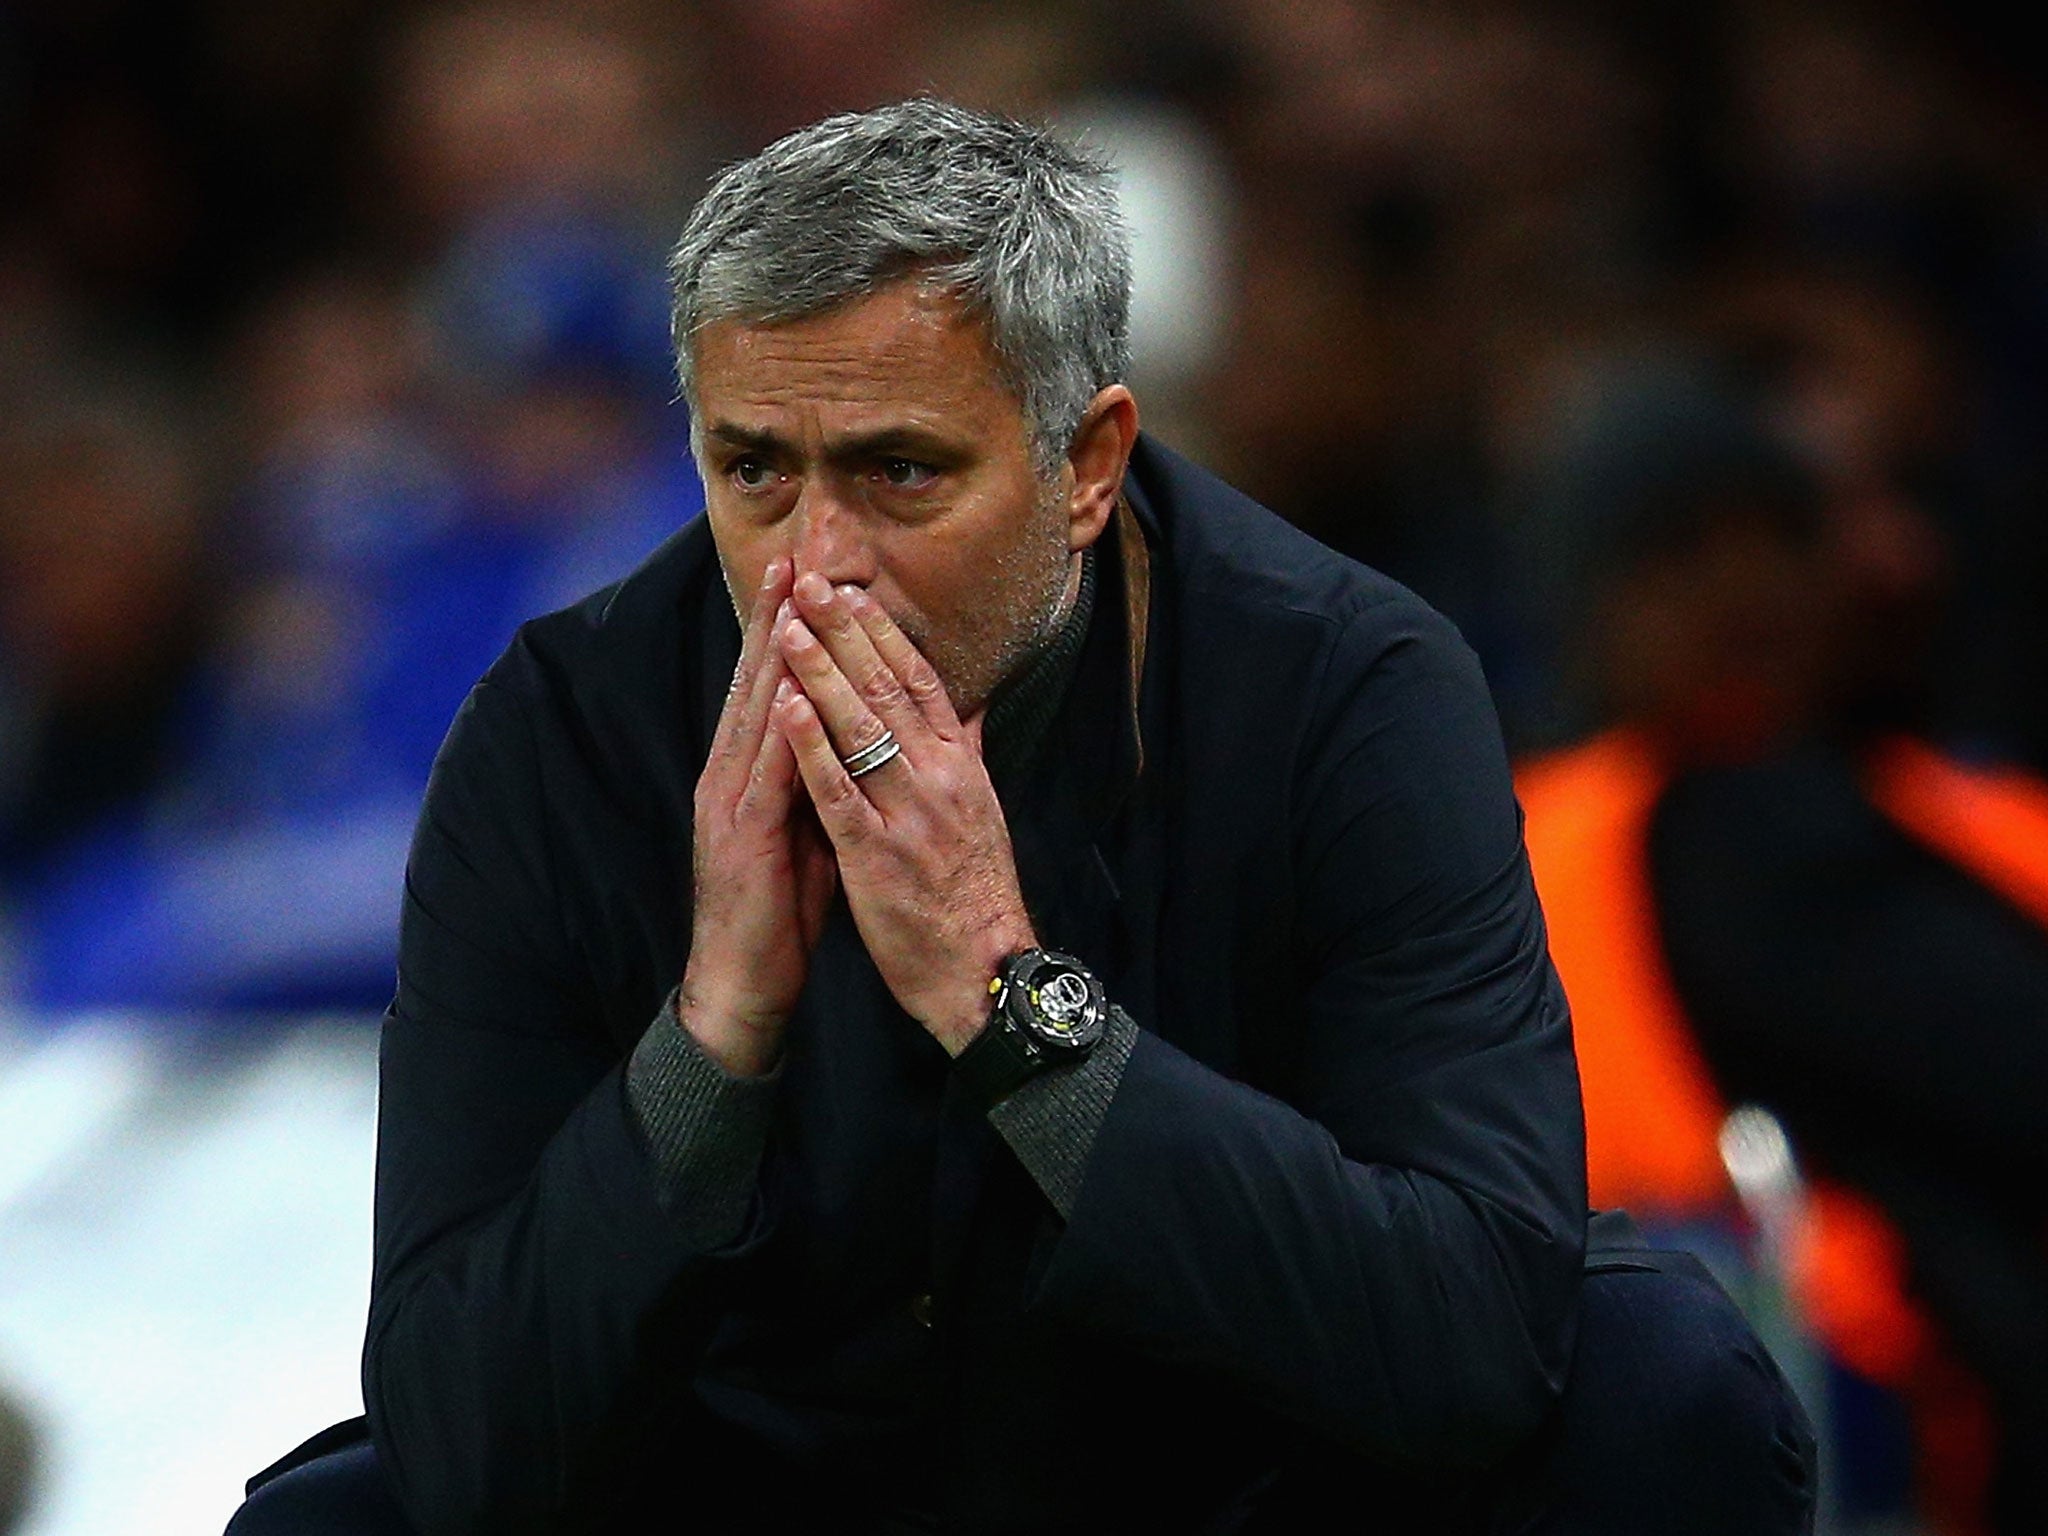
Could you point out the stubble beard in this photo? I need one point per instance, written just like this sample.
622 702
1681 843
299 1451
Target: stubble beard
1033 587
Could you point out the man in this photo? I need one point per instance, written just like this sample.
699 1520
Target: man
1110 1075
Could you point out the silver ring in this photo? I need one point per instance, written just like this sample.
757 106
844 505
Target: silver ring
873 755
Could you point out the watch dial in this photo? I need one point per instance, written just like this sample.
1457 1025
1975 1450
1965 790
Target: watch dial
1062 1002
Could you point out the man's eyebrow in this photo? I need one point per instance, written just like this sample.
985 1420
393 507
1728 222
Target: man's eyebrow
744 437
904 441
853 447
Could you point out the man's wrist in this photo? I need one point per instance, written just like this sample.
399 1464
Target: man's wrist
746 1043
962 1023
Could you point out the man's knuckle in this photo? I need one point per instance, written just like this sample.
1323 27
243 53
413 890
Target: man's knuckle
881 687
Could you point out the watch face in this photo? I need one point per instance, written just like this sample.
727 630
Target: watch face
1063 1004
1059 1005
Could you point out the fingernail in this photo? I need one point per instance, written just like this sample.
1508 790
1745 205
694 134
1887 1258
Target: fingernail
851 593
782 693
814 587
771 574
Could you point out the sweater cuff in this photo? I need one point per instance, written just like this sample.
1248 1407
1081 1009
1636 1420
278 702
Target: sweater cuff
1052 1120
704 1129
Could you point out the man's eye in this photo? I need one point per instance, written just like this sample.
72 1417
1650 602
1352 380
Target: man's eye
749 473
906 474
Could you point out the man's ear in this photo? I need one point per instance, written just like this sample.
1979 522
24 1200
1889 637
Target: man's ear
1097 459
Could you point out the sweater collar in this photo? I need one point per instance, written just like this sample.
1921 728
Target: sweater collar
1023 708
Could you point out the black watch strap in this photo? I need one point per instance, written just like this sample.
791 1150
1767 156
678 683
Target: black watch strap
997 1062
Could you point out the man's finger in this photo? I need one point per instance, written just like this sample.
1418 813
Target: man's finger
917 677
771 779
829 612
844 812
852 725
745 715
743 723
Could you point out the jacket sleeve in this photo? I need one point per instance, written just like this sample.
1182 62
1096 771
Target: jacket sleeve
532 1284
1392 1258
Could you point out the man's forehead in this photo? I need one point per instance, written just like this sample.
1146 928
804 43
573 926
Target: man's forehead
903 308
901 353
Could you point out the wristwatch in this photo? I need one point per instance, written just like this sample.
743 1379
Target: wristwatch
1048 1009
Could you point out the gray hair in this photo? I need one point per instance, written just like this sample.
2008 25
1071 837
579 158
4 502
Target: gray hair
1022 227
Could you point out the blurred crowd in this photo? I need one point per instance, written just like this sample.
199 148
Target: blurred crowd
334 345
1693 358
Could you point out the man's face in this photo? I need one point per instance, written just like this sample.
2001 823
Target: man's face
877 445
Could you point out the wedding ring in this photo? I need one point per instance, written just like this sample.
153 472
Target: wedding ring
872 756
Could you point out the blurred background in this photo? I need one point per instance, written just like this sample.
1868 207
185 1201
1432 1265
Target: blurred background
1690 356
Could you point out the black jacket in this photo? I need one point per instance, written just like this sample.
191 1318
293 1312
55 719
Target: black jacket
1336 1208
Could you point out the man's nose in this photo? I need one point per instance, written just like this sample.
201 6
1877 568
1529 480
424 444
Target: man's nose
830 537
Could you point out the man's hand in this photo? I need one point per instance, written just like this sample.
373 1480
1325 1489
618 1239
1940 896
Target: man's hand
923 850
764 872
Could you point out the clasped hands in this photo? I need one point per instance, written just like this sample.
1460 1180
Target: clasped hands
919 844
